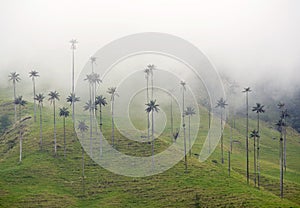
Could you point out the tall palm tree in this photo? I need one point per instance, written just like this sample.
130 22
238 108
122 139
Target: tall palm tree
190 111
14 77
280 124
259 108
82 128
90 107
33 74
53 96
21 103
247 90
147 74
101 101
182 83
64 112
40 98
152 107
284 115
221 104
73 47
113 92
95 81
72 99
255 135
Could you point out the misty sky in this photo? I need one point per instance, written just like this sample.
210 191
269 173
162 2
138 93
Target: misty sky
250 40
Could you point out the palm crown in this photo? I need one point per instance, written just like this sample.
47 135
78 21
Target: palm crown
113 92
14 76
64 112
19 101
53 95
40 98
254 134
72 98
190 111
221 103
258 108
101 100
152 106
33 74
82 126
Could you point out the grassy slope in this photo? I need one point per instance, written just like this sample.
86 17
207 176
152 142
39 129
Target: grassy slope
43 180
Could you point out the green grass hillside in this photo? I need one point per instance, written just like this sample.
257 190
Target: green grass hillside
43 180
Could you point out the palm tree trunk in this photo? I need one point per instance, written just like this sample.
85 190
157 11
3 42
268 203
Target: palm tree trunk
41 131
112 124
73 85
148 116
91 122
229 165
254 160
183 125
54 118
284 145
222 153
281 167
152 139
172 127
34 101
247 143
100 117
82 163
209 120
190 150
257 155
64 137
20 159
15 106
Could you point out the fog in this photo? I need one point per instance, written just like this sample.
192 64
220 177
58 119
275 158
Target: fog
250 41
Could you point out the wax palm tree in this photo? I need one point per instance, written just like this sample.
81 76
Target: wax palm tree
82 128
89 106
182 83
101 101
113 92
221 104
280 125
255 135
64 112
33 74
21 103
259 108
14 77
247 90
95 81
190 111
40 98
53 96
152 107
284 115
72 99
147 74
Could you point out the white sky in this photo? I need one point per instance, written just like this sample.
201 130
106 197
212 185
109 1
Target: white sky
247 39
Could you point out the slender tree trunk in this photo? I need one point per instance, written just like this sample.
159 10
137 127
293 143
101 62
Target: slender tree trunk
100 117
190 149
148 115
209 120
222 152
54 118
247 142
64 137
183 125
231 137
15 106
41 130
281 167
284 144
82 163
229 165
172 127
91 122
257 155
112 124
254 160
73 85
34 101
20 159
152 139
94 106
